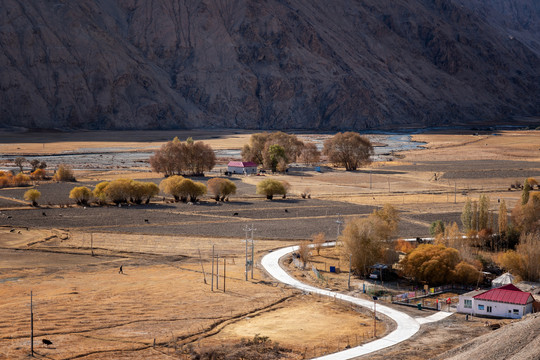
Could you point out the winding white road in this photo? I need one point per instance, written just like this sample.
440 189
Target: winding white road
406 325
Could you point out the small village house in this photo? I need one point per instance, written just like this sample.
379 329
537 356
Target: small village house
506 302
242 167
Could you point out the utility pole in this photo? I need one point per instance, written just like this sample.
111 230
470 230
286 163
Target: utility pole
455 191
212 281
217 271
252 251
31 326
246 258
92 243
374 316
247 229
369 179
224 272
338 222
349 282
202 266
252 255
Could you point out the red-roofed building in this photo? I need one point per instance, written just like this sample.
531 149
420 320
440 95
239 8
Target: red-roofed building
506 301
242 167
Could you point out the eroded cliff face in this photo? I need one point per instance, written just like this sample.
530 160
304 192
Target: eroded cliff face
304 64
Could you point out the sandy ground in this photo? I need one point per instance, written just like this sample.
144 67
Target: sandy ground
57 142
89 310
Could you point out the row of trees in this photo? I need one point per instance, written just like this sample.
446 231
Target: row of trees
34 163
7 178
370 240
277 150
486 242
137 192
273 151
181 189
117 191
183 158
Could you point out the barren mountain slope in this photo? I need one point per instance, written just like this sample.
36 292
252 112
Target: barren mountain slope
306 64
517 341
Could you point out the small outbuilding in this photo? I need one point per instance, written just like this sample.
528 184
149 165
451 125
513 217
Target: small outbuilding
242 167
506 302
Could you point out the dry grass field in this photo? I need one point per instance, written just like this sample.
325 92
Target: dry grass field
90 311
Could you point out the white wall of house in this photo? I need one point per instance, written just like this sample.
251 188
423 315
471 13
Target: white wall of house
240 170
463 306
492 308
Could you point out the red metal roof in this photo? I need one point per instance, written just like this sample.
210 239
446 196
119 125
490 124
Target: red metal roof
506 294
242 164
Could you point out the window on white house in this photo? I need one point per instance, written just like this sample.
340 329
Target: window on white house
488 309
480 307
467 304
516 311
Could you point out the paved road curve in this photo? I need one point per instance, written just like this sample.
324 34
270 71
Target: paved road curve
406 325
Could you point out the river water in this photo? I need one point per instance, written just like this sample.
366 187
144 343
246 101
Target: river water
128 158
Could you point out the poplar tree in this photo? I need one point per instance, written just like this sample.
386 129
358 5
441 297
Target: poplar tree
483 212
466 216
525 193
503 219
474 221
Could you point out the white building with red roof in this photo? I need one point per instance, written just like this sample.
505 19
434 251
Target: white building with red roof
242 167
506 301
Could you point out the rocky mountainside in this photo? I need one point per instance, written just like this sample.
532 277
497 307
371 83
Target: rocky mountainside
273 64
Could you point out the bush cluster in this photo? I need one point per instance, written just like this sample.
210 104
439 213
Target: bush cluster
64 173
32 195
122 191
182 189
221 188
8 179
271 187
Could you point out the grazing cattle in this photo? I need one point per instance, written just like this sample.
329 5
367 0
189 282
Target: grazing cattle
43 213
146 220
286 210
12 230
46 342
235 214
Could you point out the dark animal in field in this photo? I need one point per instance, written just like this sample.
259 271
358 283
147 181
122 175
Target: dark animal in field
12 230
235 214
43 213
146 220
46 342
286 210
9 217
